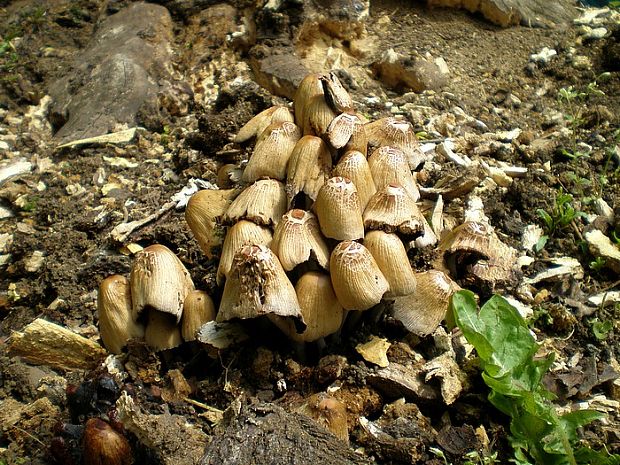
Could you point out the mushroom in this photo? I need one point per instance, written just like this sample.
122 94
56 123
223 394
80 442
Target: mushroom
388 165
162 331
264 203
358 282
338 208
309 87
329 412
260 122
393 210
198 309
308 168
116 326
396 132
354 166
272 151
103 445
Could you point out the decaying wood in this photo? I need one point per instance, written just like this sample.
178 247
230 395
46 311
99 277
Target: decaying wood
266 434
45 343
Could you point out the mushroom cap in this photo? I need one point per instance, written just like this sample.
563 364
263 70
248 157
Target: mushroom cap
198 309
354 166
264 203
338 209
393 210
390 254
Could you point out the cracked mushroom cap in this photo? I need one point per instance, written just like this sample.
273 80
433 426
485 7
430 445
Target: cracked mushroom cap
422 311
393 210
308 168
388 165
396 132
116 326
264 203
297 239
358 282
159 281
257 285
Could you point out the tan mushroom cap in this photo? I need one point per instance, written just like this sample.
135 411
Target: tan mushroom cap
198 309
356 277
260 122
162 331
338 209
116 325
389 165
393 210
396 132
264 203
309 167
354 166
309 87
159 281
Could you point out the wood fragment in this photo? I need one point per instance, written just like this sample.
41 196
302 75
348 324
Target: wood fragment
45 343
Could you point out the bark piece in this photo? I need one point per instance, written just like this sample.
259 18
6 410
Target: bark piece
266 434
45 343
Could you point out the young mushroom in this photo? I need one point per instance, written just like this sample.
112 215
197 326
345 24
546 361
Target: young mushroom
396 132
388 165
264 203
308 168
198 309
354 166
356 277
393 210
116 326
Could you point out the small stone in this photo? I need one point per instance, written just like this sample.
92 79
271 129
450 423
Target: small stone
375 351
34 262
544 56
596 34
582 62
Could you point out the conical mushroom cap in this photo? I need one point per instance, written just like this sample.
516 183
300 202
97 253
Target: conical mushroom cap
356 277
260 122
263 203
203 213
116 326
398 133
388 165
391 256
393 210
272 151
257 285
354 166
159 281
318 116
298 237
198 309
309 87
422 311
338 208
162 331
342 128
320 308
241 233
308 168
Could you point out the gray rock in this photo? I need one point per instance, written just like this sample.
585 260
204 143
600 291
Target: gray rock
279 74
125 70
415 73
533 13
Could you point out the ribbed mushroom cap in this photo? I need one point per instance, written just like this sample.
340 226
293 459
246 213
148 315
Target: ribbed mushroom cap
320 308
159 281
309 87
162 331
116 326
399 133
390 254
343 127
198 309
318 115
260 122
354 166
257 285
389 165
272 151
203 213
356 277
338 209
263 203
393 210
308 168
241 233
423 310
297 239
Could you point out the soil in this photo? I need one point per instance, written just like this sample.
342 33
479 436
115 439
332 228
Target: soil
59 210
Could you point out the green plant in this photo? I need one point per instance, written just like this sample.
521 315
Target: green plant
597 264
507 349
601 329
474 458
573 100
561 215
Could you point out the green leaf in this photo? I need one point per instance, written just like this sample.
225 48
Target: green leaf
465 311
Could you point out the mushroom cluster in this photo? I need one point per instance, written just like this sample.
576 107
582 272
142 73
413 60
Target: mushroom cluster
331 207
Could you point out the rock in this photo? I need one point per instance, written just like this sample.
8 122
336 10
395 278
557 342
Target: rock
45 343
416 73
601 246
265 434
533 13
544 56
401 434
125 71
171 438
279 74
402 381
